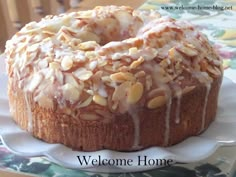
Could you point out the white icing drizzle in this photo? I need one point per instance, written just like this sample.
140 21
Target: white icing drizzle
177 111
167 121
204 78
208 88
178 94
156 71
29 114
136 121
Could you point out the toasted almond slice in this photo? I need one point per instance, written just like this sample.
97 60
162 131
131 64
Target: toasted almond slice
104 114
124 18
115 105
89 116
139 74
86 102
172 52
122 76
33 48
135 93
215 71
93 65
106 79
59 76
191 52
188 89
83 74
100 100
70 92
133 51
45 102
66 63
87 36
136 63
164 63
71 80
91 54
156 92
156 102
43 63
54 65
84 14
120 91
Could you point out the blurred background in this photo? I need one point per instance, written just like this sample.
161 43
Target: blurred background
16 13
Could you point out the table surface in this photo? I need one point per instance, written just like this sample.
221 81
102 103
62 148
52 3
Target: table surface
218 25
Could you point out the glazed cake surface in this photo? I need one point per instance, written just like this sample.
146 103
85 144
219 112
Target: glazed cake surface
112 78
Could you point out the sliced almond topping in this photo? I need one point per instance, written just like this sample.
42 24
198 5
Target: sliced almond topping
43 64
63 37
122 76
93 65
71 80
106 79
190 46
191 52
86 102
120 91
89 37
164 63
33 48
188 89
133 51
102 63
66 63
115 105
89 116
172 53
45 102
35 81
215 71
59 76
100 100
74 42
135 93
156 92
84 14
109 68
70 92
91 54
88 45
156 102
124 18
104 114
136 63
140 74
49 33
83 74
54 65
90 92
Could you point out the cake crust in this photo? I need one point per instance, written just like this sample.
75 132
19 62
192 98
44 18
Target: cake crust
119 132
112 78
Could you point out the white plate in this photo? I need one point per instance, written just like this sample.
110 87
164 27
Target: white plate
221 132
